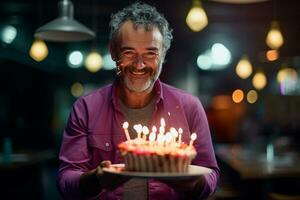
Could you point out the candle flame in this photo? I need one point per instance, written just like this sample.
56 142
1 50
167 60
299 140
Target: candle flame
154 129
168 137
160 138
162 122
161 130
145 130
174 132
152 137
193 136
138 128
180 131
125 125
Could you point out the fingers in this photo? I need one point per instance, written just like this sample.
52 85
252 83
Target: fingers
105 163
106 180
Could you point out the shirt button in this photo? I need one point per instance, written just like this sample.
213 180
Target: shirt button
107 144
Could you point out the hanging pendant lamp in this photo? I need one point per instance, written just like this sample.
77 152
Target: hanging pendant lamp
64 28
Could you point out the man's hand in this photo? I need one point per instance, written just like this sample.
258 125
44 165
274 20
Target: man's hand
93 181
108 181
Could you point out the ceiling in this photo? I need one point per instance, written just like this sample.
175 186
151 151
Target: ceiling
242 27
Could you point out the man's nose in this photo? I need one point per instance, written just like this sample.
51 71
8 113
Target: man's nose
139 61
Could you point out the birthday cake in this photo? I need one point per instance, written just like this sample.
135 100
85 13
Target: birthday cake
162 152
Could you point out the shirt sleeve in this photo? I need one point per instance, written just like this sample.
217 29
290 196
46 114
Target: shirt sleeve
74 157
204 147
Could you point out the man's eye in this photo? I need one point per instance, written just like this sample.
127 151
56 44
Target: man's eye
128 54
150 55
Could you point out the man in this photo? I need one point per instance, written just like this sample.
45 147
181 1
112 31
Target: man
139 40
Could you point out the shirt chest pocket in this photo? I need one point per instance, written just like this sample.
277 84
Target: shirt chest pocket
100 146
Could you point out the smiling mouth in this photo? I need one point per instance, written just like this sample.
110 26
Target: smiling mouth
138 73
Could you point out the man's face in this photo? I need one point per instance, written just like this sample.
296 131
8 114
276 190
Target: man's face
140 54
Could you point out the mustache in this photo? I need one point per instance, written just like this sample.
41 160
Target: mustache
121 68
131 68
134 69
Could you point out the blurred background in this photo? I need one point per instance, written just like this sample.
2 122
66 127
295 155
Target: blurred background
240 57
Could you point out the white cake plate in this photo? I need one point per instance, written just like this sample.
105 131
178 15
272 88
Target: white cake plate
193 172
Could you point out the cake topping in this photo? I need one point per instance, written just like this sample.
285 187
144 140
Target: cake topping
193 138
163 142
125 127
160 150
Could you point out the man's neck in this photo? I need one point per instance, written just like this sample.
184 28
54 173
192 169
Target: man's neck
135 99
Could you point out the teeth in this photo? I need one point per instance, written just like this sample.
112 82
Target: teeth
138 73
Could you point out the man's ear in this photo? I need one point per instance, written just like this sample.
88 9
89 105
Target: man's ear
112 51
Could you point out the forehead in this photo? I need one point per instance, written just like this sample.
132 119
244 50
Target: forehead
139 37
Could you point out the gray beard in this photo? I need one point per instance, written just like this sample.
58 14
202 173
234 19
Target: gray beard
138 87
148 84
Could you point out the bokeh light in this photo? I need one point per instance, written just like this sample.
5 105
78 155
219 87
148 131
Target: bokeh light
77 89
75 59
9 33
259 80
38 50
244 68
93 62
237 96
252 96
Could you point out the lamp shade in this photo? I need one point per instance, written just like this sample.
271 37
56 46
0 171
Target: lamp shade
64 28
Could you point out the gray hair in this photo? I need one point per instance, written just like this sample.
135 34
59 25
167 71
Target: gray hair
141 14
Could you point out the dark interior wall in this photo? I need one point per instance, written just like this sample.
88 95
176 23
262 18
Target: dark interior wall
26 105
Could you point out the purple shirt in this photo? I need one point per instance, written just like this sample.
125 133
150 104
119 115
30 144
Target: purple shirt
94 130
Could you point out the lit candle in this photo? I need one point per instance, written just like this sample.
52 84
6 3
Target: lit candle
162 122
160 139
125 127
193 138
138 128
154 129
152 137
139 131
180 131
145 132
168 139
161 130
174 134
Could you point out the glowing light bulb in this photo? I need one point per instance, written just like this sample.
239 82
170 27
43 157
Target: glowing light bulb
259 80
287 73
197 18
93 62
274 38
38 50
244 68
